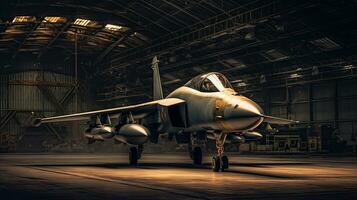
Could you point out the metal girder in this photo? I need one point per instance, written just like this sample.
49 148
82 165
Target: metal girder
75 7
186 7
25 38
182 10
50 128
65 99
211 3
6 118
200 34
170 17
110 48
253 50
51 98
91 12
140 15
63 29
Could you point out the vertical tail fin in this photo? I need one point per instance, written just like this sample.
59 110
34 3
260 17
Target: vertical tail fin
157 88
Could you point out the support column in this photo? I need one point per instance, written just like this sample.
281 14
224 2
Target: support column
311 114
336 106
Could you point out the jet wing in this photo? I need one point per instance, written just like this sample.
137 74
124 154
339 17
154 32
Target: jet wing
277 120
139 109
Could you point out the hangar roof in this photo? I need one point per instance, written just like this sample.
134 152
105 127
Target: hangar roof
256 44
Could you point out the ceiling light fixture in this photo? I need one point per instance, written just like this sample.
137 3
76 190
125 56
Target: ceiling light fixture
82 22
112 27
24 19
53 19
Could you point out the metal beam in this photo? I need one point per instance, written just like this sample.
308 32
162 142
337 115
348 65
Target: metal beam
69 94
182 10
208 32
110 48
90 12
170 17
212 3
141 16
64 28
25 38
6 118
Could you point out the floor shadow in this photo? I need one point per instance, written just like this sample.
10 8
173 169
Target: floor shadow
233 169
266 174
246 164
121 165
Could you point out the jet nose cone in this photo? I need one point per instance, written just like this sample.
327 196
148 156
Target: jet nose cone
243 114
250 105
244 107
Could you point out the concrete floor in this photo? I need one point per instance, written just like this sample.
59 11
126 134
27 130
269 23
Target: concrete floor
169 176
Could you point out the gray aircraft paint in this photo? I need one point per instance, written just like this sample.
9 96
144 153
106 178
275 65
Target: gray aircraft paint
216 108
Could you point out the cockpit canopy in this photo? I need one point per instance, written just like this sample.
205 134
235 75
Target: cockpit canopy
210 82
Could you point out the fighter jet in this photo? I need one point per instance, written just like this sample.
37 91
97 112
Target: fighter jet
205 108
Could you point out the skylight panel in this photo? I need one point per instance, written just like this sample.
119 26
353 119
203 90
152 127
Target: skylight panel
53 19
82 22
112 27
24 19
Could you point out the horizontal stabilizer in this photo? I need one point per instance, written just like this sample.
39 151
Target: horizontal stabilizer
277 120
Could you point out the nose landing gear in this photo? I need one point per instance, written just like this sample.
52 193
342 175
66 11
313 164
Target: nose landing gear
220 162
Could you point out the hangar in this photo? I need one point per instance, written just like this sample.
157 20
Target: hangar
294 60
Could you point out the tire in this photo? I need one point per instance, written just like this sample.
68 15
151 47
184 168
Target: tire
133 156
197 156
225 162
216 164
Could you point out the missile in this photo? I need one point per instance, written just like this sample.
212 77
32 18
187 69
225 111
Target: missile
233 138
252 135
134 134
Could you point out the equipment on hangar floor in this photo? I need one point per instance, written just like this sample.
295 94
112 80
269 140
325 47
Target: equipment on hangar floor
205 107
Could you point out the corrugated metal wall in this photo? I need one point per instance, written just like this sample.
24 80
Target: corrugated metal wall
333 103
20 92
17 96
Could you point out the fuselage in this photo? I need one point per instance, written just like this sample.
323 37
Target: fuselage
221 110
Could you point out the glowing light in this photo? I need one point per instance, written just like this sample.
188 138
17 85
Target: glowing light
242 84
295 75
24 19
113 27
53 19
348 67
82 22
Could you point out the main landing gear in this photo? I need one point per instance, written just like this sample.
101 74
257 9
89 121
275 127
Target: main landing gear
197 156
135 154
220 162
194 148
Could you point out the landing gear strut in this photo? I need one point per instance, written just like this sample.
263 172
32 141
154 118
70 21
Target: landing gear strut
220 161
197 156
135 154
194 148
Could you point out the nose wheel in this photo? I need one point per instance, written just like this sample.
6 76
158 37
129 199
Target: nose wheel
220 162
